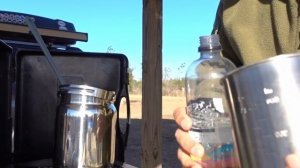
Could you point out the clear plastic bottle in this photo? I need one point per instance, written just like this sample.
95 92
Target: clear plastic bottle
206 104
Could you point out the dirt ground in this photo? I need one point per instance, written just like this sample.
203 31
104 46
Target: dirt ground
169 145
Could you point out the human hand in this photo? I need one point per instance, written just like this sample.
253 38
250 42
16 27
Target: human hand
187 146
292 161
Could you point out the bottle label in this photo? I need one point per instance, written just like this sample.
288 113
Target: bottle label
206 113
202 104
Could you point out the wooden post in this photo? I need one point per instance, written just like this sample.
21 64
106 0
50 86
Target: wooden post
152 85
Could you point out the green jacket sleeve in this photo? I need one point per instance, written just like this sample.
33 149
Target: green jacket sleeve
252 30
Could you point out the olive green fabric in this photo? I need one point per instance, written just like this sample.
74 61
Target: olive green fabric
252 30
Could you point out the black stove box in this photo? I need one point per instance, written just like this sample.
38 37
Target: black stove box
28 96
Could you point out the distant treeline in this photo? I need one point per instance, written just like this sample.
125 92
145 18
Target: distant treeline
170 86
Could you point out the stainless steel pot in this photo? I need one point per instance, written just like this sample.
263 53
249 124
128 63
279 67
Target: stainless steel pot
264 102
85 127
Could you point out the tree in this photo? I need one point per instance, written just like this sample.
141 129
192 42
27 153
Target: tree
173 86
130 79
110 49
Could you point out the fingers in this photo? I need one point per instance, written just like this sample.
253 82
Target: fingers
293 161
182 119
190 152
188 145
186 161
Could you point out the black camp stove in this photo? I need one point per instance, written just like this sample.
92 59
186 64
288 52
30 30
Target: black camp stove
28 92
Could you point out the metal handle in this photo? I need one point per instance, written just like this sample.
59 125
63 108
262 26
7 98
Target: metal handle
38 38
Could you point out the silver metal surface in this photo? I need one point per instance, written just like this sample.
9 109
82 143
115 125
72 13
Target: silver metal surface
264 100
86 127
88 91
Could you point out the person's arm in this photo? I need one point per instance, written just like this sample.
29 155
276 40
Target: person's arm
189 152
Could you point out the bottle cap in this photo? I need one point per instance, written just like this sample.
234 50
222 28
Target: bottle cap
209 42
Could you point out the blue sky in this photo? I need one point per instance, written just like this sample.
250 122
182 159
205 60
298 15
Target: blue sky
118 24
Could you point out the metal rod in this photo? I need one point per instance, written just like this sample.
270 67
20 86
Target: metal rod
38 38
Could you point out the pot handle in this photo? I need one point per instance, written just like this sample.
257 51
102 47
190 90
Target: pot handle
122 137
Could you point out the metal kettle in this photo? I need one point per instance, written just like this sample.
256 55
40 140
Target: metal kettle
85 125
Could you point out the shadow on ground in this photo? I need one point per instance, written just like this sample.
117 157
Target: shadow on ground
169 144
